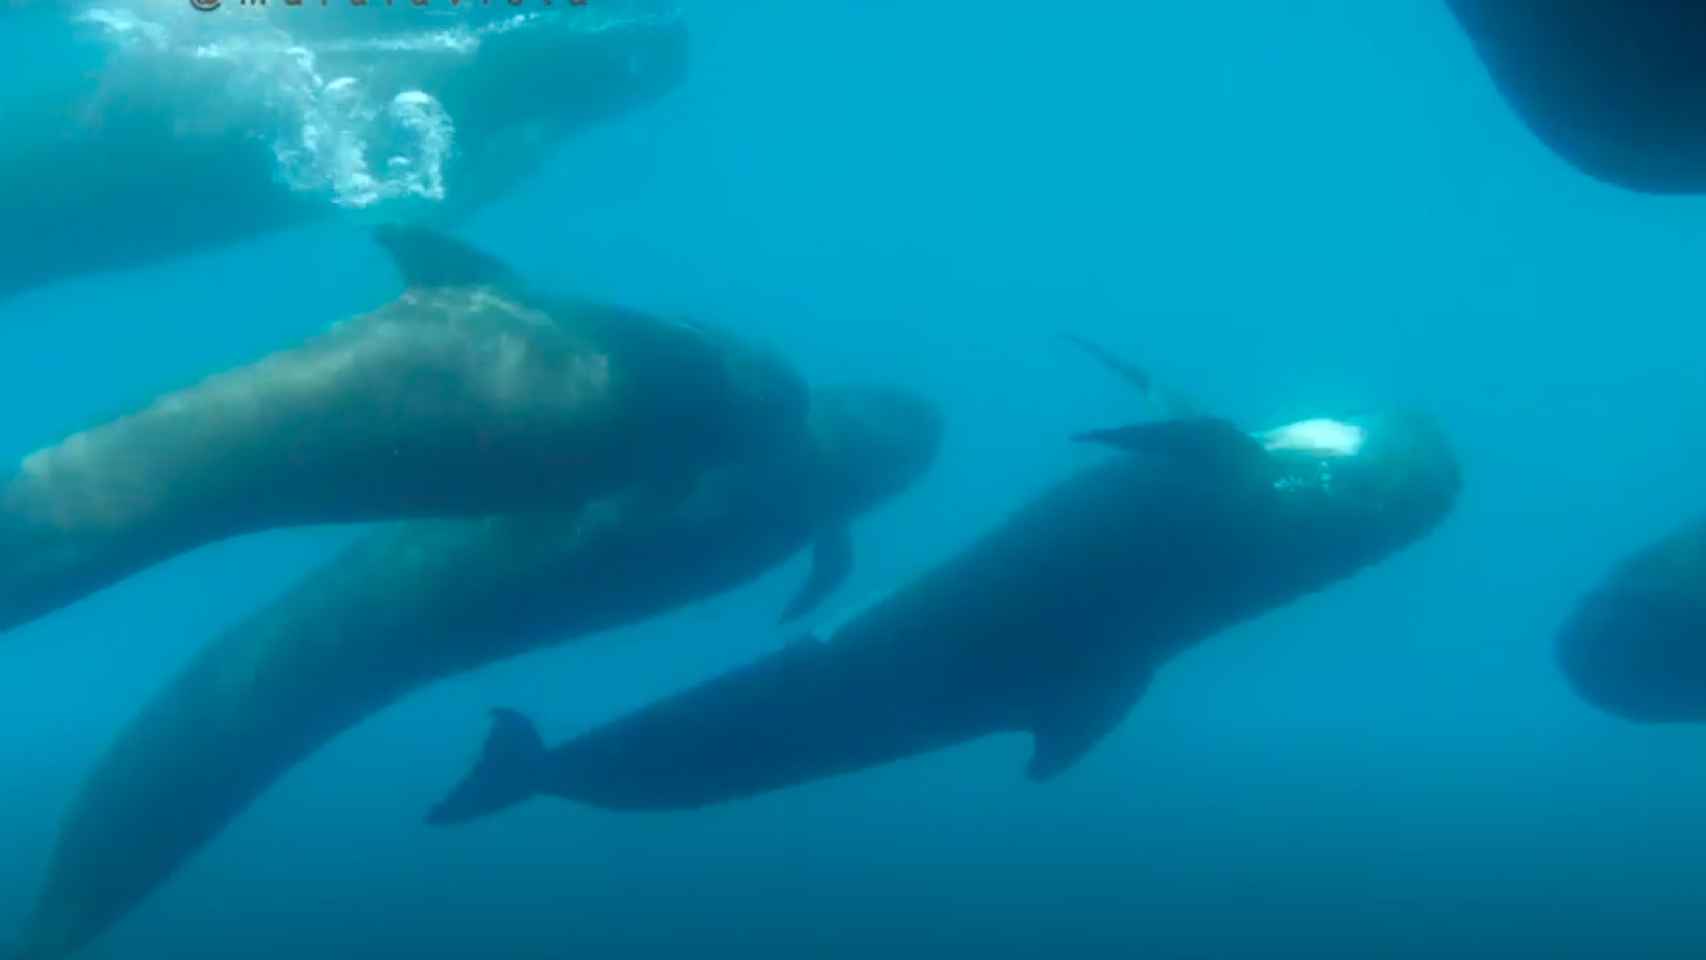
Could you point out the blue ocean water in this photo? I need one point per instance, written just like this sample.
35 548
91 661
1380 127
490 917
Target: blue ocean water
1280 208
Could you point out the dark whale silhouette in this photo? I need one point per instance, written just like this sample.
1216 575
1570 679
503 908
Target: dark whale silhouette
469 395
407 606
1615 87
1636 647
168 154
1053 624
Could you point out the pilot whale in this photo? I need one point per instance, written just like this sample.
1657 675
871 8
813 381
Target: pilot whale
1614 87
1636 646
424 600
469 395
231 124
1052 624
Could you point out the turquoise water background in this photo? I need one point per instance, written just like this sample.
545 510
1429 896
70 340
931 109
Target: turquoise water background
1284 209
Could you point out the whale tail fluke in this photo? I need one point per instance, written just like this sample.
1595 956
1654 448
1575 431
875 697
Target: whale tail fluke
511 768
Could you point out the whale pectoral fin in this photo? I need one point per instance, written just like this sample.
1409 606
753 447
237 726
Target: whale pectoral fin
1208 440
832 561
1081 717
511 768
430 259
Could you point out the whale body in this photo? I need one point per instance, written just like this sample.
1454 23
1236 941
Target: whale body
1614 87
425 600
148 131
1636 645
1052 624
469 395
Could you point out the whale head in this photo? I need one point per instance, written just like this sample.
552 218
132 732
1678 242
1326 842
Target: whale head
1383 478
875 441
767 399
1636 646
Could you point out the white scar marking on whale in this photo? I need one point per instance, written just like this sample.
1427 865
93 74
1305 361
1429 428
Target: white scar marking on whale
1322 436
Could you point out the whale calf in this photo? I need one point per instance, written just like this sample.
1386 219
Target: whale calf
1052 624
1615 87
406 606
1636 646
253 118
468 395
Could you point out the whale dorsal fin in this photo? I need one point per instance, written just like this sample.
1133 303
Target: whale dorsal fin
427 258
832 561
1204 440
1066 729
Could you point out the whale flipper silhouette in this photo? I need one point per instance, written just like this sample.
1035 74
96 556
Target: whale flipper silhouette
832 561
1087 711
512 764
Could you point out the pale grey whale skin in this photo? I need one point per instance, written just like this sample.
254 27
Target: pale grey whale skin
138 167
1052 624
1614 87
1636 645
469 395
425 600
